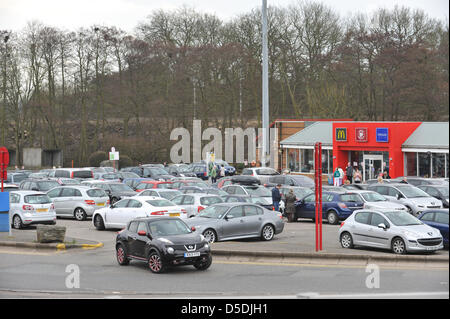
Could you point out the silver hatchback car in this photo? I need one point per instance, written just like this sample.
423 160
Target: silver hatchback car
398 231
77 201
29 208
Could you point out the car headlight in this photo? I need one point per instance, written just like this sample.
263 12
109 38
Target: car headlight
206 246
170 250
165 240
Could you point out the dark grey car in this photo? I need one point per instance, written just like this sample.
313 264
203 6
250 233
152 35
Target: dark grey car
229 221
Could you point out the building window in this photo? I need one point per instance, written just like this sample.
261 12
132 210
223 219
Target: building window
307 161
293 160
424 164
411 164
438 160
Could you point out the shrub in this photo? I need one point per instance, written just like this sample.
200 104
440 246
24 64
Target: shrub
125 161
97 157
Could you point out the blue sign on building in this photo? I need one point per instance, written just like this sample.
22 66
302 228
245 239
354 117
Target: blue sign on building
4 212
382 134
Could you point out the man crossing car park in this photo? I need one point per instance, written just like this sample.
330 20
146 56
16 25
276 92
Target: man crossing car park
276 197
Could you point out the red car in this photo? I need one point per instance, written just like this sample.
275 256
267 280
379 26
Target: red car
152 184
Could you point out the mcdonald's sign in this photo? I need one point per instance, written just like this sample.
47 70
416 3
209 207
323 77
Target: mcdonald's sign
341 134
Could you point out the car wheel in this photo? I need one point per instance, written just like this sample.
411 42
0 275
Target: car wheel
121 255
203 265
346 240
267 232
98 222
80 214
155 263
17 222
210 236
332 218
398 246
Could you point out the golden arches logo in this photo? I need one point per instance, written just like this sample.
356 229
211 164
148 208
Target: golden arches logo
341 134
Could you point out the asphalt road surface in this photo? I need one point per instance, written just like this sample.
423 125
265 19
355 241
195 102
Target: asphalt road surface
45 274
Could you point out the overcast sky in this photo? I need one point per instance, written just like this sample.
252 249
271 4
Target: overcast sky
14 14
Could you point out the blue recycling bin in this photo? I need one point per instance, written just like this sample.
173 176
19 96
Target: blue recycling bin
4 212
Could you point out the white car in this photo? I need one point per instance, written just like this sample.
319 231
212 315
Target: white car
120 213
373 200
30 207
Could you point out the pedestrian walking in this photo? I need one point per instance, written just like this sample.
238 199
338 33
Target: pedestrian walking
341 178
349 173
357 177
222 171
276 197
336 177
290 199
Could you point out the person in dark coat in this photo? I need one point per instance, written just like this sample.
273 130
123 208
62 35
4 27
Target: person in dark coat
276 197
290 199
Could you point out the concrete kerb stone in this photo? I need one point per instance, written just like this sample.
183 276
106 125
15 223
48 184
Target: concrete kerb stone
333 257
57 246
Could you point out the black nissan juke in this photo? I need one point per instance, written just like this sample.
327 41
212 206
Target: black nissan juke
162 242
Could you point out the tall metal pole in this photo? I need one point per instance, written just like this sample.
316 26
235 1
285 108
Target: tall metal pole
265 87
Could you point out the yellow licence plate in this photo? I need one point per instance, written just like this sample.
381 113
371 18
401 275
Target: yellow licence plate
41 210
100 204
174 214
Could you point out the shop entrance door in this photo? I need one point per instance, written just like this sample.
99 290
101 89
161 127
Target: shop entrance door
373 166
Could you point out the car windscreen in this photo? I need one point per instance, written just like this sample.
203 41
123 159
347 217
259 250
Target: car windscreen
168 227
82 174
96 193
48 185
260 200
443 191
400 218
37 199
19 177
303 181
258 191
121 188
301 192
110 176
373 197
412 192
160 202
210 200
214 212
157 171
266 171
198 184
349 198
164 185
169 195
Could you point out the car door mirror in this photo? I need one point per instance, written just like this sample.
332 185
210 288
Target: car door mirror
142 233
399 196
193 228
382 226
229 217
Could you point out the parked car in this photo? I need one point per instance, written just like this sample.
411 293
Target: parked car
133 182
79 173
373 200
113 177
39 185
127 175
228 221
196 189
299 191
183 183
417 181
223 181
37 176
160 192
68 181
335 206
180 171
155 173
15 178
115 191
327 188
194 203
152 184
291 180
261 173
255 190
261 201
10 187
385 181
119 214
77 201
437 218
397 231
29 208
437 191
415 199
200 170
161 243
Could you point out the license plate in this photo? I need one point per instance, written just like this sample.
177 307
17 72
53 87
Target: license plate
100 204
432 248
41 210
174 214
196 254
